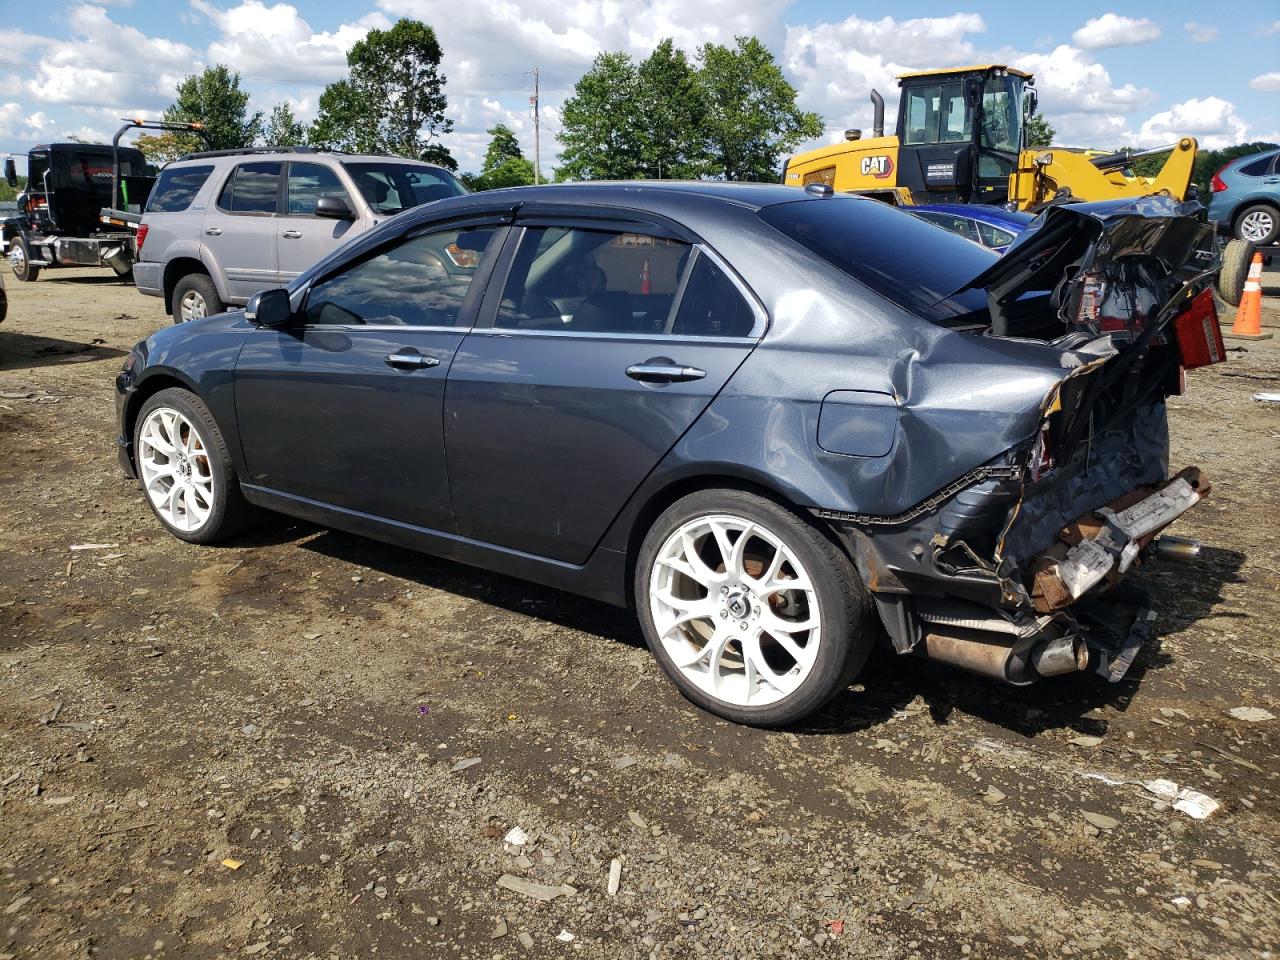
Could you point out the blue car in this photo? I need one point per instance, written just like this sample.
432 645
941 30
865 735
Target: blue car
993 227
1244 198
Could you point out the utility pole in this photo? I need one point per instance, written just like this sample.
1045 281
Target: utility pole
537 132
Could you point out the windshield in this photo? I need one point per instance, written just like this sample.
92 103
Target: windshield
389 188
905 260
936 113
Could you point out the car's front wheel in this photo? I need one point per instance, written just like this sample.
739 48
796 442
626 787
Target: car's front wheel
752 612
185 469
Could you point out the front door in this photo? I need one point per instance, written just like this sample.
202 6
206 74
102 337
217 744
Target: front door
302 237
345 408
240 229
602 349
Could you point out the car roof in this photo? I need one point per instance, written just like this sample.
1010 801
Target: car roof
996 216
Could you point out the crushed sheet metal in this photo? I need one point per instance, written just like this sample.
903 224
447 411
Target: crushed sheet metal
1120 540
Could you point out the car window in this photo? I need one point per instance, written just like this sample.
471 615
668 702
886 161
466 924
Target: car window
389 188
252 188
177 187
994 236
1258 168
887 250
962 226
592 281
711 305
308 182
420 282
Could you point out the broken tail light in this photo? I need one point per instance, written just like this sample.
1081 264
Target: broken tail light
1197 332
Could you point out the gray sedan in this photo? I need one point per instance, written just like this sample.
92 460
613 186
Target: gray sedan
780 425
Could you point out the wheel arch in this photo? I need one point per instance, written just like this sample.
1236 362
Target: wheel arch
662 497
180 267
147 388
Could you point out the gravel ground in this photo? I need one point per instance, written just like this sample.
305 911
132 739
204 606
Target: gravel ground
305 744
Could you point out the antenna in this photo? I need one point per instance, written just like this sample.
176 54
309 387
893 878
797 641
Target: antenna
537 132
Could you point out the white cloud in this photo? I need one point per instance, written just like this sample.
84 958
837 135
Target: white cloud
76 72
834 66
1266 83
1200 32
1211 120
1272 30
1114 30
276 43
1070 81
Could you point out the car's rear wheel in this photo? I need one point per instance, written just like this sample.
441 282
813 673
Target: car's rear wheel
194 297
1259 224
752 612
185 469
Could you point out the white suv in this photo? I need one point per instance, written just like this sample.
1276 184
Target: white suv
222 225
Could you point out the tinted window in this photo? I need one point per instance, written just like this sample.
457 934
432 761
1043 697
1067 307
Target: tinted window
961 226
906 261
592 281
176 188
994 236
712 306
1259 168
936 114
391 187
420 282
308 182
253 188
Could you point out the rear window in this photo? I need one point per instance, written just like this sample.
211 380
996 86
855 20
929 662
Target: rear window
176 188
1259 168
905 260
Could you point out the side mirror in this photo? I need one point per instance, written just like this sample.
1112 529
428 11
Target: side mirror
335 208
1033 101
10 172
269 308
972 92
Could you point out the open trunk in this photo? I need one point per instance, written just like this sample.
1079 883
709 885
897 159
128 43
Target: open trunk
1021 574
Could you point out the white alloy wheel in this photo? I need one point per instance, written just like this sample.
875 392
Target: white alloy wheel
735 610
177 474
193 306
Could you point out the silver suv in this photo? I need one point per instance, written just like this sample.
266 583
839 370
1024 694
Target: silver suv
220 226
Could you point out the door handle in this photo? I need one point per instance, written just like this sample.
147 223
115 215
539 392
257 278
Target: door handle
291 235
663 370
214 231
410 361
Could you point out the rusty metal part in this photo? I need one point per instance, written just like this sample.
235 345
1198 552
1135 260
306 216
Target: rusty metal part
1063 655
988 654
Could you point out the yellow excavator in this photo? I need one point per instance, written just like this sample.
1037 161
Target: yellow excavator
961 138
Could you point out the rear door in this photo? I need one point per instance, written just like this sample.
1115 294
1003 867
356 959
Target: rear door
302 238
240 228
600 348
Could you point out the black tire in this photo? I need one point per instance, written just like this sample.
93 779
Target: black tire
848 630
199 285
1263 211
23 268
229 512
1236 257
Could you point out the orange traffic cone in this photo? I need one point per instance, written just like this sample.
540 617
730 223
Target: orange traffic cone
1248 325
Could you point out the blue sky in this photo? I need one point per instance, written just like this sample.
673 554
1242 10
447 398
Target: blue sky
1108 74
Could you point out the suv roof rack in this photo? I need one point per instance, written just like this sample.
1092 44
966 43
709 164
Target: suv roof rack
236 151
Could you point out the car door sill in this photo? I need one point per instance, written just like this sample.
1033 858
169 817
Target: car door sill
602 577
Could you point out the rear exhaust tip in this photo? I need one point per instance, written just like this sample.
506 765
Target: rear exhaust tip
1177 549
1063 655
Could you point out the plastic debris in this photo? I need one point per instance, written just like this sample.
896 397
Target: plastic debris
836 926
516 837
538 891
1193 803
93 546
1267 397
232 864
564 936
1251 714
463 764
423 710
615 876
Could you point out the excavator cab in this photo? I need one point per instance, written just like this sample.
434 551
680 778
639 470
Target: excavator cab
960 133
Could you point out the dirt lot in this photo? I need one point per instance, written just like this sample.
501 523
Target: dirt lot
260 749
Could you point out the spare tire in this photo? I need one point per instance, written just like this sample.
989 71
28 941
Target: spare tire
1236 257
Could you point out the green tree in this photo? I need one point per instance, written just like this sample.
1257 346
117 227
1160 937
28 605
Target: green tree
215 99
393 101
8 193
671 104
504 164
1040 132
752 118
284 129
600 136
